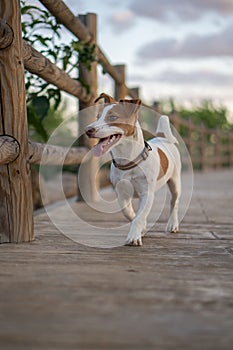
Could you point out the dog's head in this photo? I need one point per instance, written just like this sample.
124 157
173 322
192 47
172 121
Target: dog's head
116 121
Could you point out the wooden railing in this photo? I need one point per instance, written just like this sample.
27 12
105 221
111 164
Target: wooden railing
208 148
16 152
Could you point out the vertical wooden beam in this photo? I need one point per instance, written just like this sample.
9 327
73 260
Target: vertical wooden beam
88 180
203 147
190 145
230 149
16 209
218 149
135 92
120 89
173 117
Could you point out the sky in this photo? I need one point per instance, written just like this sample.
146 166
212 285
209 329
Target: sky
172 48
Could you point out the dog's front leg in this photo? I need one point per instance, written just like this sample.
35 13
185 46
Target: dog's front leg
138 225
125 191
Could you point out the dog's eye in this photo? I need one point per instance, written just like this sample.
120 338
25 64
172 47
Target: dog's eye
112 118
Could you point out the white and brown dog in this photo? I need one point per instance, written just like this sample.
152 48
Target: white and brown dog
137 166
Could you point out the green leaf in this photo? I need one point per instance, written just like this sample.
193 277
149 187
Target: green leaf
41 106
77 45
34 120
26 9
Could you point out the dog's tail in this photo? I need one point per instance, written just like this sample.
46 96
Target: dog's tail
164 129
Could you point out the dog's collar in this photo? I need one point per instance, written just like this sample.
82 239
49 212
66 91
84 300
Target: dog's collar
132 164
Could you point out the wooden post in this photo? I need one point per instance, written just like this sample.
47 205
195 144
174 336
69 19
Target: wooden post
174 118
16 209
120 89
190 142
88 181
218 149
203 146
230 149
135 92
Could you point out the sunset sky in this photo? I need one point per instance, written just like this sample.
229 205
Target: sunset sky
172 48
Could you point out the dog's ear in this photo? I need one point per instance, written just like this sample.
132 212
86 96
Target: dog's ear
107 98
132 105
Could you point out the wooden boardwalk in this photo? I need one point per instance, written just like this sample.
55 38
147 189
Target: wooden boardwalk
175 292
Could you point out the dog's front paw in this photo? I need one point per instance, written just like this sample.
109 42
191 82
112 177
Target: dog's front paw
134 242
144 231
172 227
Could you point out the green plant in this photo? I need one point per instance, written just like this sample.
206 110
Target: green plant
208 114
43 32
205 113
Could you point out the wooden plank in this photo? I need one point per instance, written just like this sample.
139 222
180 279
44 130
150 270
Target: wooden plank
173 293
15 183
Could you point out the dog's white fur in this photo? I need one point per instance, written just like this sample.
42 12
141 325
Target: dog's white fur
144 178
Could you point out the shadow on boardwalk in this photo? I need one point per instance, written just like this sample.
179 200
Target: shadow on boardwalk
175 292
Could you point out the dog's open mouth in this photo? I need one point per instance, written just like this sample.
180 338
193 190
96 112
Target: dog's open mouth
104 144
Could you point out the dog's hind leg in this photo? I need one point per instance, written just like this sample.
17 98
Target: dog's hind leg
174 185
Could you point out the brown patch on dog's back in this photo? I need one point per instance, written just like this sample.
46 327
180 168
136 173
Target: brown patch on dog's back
163 164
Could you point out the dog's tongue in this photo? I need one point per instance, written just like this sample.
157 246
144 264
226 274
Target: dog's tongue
100 148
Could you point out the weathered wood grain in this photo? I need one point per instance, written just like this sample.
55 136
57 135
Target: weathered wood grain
45 154
16 208
174 293
208 148
120 88
6 34
38 64
9 149
65 16
88 182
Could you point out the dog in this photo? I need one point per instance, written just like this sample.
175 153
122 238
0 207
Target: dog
137 166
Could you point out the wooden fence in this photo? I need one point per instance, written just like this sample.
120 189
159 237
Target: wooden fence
17 152
208 148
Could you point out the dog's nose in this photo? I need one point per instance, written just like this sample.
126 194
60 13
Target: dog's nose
90 131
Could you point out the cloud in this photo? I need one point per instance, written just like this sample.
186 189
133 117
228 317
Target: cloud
183 9
192 46
121 21
200 77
